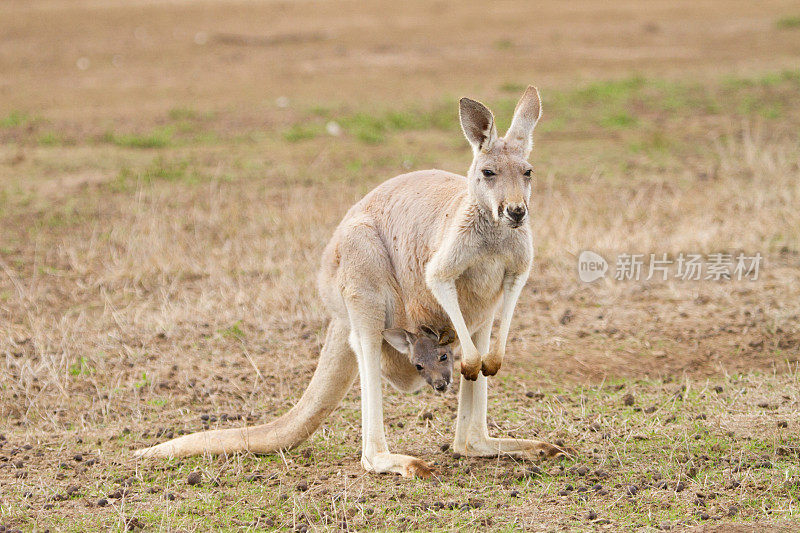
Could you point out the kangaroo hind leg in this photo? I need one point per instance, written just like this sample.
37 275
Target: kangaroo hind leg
375 455
366 284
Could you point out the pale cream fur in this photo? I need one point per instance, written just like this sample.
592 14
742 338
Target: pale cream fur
428 247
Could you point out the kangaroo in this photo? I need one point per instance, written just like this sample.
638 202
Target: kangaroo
427 247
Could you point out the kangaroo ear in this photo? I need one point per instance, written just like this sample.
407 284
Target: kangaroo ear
447 336
478 124
400 339
526 115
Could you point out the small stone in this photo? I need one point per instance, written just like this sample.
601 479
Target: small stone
427 415
78 457
302 486
632 490
195 478
718 389
475 503
591 516
102 502
444 447
628 399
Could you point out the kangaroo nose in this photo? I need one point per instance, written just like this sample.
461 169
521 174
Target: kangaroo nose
516 213
440 385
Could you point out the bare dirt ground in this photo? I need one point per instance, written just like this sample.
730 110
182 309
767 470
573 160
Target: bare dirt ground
170 171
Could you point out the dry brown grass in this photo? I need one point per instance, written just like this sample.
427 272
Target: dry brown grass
157 260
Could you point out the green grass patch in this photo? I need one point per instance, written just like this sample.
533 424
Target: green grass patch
144 381
158 138
514 88
81 367
50 138
234 331
15 119
619 120
302 132
183 113
791 22
160 169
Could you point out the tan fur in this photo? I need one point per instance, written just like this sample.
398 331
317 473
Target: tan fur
428 247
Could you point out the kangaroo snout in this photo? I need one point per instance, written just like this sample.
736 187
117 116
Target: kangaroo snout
440 385
516 213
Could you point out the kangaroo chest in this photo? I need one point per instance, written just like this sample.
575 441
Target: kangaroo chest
480 288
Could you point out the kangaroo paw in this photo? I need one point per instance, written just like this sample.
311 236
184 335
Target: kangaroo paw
491 364
471 371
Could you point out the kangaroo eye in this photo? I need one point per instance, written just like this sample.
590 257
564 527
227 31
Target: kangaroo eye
527 173
443 357
419 367
488 173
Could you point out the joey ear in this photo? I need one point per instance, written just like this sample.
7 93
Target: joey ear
429 332
526 115
400 339
478 124
447 336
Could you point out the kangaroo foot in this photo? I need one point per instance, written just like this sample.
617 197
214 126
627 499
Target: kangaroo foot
405 465
529 449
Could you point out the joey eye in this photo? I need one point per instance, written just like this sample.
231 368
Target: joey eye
419 367
527 173
443 357
487 173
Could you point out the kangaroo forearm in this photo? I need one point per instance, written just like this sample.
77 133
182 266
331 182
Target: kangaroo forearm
447 296
512 287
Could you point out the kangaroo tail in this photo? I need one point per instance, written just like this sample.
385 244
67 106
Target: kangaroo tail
335 373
